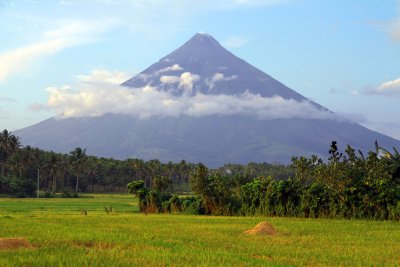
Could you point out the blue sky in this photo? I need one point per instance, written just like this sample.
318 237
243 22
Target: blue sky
345 55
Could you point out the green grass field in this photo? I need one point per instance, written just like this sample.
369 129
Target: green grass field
62 236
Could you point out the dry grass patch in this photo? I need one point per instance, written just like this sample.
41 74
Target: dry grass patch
94 245
263 228
14 243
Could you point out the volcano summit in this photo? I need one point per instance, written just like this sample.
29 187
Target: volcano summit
200 103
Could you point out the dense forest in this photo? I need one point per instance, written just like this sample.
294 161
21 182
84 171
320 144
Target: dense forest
25 169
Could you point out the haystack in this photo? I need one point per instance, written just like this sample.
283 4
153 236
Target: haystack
263 228
14 243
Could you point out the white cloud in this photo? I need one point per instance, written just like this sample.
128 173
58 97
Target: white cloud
389 88
219 77
169 79
16 60
67 34
354 92
100 75
89 100
235 41
174 67
185 80
74 28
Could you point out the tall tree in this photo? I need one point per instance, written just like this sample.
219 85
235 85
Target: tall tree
9 144
78 162
55 168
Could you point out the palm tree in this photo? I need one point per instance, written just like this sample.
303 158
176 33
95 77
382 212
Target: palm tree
78 162
392 160
93 164
55 169
36 158
9 144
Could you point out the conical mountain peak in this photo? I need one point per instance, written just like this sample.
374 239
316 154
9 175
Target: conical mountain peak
212 69
203 39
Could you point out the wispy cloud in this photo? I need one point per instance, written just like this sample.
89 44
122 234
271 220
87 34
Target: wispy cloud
101 75
180 3
7 99
246 3
389 88
393 26
219 77
172 68
353 117
59 32
17 60
69 33
235 41
389 128
394 29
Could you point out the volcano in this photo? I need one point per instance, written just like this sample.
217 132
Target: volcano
233 113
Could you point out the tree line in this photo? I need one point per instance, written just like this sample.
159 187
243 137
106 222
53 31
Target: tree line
349 185
25 169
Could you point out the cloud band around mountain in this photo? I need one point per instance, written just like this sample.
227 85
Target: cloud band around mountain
92 100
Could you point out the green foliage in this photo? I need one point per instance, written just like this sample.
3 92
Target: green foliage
135 186
216 191
161 183
347 186
57 172
350 186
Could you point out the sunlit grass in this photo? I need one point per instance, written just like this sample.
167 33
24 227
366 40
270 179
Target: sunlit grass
63 237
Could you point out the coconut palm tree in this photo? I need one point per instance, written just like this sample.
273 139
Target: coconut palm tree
9 144
55 168
78 162
392 160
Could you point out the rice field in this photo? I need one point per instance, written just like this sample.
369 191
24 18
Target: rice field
60 234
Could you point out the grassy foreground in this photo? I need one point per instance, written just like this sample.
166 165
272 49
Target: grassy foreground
62 236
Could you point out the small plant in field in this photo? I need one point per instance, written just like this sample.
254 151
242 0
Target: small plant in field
108 210
84 212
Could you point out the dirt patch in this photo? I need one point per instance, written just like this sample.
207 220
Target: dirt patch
263 228
94 245
262 257
14 243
